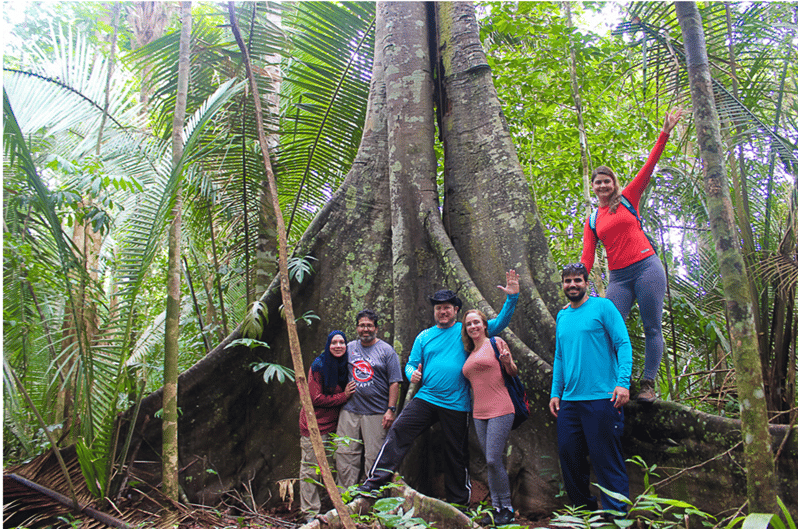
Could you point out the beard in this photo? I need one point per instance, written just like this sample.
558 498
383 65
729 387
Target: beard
577 296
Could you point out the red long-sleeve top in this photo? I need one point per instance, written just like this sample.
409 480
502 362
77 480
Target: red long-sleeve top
326 406
620 232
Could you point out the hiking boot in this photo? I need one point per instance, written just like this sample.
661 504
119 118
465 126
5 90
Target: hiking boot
364 490
504 517
647 393
487 520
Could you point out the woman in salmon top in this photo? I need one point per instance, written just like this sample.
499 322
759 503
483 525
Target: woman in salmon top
493 410
635 270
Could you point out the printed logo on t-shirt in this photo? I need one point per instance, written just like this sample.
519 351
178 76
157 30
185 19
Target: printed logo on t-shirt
644 251
362 371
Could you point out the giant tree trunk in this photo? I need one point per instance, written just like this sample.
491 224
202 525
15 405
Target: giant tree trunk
739 308
382 242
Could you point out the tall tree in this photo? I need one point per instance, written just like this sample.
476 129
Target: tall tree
756 438
174 273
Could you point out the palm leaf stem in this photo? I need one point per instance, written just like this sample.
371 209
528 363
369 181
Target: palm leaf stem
48 79
197 310
216 275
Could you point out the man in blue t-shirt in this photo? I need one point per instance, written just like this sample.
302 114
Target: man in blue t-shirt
436 364
590 385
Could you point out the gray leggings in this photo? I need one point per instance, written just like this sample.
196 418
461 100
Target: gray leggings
492 435
645 281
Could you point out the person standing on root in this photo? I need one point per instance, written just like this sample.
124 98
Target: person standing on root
329 390
436 365
635 270
494 412
590 385
374 367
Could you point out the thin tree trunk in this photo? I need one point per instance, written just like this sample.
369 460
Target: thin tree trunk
598 270
172 324
753 412
285 288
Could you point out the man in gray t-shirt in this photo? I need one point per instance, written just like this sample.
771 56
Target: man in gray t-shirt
370 412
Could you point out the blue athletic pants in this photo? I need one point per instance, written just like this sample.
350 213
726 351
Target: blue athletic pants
594 428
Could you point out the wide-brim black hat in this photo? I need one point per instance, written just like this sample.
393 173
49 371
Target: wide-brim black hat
445 296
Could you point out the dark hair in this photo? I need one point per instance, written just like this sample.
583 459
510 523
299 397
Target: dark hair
615 198
370 314
574 269
333 370
468 342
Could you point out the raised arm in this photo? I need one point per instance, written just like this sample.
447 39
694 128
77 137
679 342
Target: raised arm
635 189
498 324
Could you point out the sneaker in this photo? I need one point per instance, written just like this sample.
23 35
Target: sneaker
647 393
504 516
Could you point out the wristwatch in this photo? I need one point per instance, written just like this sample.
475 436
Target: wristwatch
392 408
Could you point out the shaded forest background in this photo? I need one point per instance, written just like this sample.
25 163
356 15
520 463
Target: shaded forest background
90 188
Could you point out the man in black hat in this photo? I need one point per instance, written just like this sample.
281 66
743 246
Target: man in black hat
436 364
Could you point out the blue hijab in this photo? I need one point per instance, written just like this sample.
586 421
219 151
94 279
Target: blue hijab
333 370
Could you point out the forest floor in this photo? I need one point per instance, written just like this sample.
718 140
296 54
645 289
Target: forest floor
280 517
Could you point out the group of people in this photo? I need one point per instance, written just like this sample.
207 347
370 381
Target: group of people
355 386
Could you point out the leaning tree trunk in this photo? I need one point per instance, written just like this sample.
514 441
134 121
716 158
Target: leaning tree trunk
739 308
381 242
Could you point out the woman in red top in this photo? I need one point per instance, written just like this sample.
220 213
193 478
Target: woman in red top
329 391
635 270
493 410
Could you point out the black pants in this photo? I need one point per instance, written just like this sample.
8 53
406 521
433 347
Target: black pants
414 420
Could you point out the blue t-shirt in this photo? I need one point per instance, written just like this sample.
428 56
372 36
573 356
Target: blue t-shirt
594 354
441 353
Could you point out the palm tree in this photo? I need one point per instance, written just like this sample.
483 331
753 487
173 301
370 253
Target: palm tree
759 458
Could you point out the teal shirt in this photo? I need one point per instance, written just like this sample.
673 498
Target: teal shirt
442 354
594 354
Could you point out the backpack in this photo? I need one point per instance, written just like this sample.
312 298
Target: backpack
628 205
516 390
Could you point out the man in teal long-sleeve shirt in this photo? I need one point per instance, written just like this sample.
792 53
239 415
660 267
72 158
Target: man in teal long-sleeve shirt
590 385
436 363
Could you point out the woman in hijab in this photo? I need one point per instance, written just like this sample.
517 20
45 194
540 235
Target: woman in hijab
329 390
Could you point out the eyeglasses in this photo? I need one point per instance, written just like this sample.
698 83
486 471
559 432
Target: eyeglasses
574 267
366 326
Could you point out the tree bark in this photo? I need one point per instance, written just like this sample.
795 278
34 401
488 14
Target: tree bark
174 276
753 412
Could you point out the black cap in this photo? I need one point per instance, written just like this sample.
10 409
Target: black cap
445 296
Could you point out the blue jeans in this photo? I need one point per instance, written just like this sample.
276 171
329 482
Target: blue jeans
594 428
